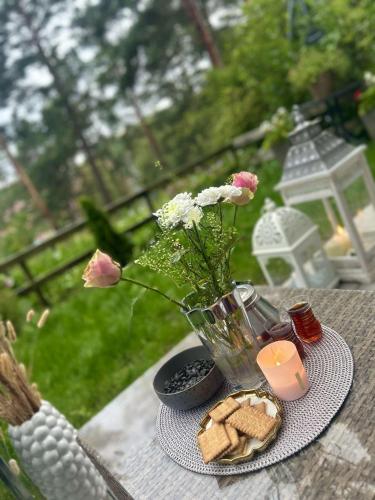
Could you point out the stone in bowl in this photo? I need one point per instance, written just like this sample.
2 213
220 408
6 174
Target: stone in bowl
195 395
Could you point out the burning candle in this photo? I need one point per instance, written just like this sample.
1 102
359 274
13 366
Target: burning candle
339 244
283 369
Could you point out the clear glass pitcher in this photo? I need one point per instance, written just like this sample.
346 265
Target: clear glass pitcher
224 330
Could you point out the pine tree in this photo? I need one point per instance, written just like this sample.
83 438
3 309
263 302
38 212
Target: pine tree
107 239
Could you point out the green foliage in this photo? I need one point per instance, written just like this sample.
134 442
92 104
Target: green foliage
312 62
367 101
278 128
118 246
9 307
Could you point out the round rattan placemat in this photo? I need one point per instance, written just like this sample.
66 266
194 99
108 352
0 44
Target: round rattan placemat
329 365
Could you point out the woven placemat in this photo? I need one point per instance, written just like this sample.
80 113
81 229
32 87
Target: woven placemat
329 365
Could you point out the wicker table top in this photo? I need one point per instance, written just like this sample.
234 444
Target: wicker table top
336 465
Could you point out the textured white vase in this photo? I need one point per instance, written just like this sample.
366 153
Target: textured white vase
51 456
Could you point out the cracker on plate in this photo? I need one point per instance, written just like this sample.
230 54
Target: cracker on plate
224 409
251 422
233 436
213 442
261 407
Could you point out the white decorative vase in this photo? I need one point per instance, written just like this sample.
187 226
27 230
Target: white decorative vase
55 462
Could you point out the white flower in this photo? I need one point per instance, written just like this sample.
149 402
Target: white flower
266 127
236 195
227 191
369 78
281 111
173 212
193 216
209 196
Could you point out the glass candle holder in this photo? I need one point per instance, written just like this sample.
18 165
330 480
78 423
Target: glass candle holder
306 325
284 331
283 369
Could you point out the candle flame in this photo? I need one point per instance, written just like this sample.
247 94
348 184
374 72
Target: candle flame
341 230
278 363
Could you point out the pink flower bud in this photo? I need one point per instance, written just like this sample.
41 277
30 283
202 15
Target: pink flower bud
245 180
242 199
102 271
247 183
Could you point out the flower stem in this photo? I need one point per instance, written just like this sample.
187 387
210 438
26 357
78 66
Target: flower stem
235 215
148 287
207 261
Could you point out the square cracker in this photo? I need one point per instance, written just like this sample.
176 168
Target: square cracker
233 436
251 422
213 442
224 409
239 449
261 407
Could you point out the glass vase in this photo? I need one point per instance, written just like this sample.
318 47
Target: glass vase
225 330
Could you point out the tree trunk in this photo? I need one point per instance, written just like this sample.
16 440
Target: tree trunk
204 32
27 182
71 112
147 130
323 86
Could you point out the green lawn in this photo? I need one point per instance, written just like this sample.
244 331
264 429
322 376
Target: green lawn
96 342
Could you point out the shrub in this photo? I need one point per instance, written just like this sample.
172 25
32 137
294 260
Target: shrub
107 239
367 98
314 61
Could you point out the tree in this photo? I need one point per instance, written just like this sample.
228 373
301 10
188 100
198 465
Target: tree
118 246
204 31
27 182
27 34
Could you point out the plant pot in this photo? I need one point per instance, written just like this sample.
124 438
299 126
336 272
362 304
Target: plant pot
52 458
369 122
234 333
323 85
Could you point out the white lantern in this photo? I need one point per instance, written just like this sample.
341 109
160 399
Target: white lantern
321 166
286 234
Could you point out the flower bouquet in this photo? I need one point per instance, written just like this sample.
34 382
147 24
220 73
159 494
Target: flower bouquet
193 247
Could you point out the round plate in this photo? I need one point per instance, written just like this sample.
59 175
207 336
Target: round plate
273 409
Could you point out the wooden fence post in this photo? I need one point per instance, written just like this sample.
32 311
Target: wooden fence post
150 205
37 288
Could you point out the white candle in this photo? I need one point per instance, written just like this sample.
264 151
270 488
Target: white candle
339 244
283 369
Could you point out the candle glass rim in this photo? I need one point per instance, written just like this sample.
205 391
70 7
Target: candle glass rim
269 348
287 304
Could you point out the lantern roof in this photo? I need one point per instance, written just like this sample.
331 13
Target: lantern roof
312 150
280 228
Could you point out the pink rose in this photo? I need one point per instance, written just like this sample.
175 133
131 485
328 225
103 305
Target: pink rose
245 180
102 271
247 183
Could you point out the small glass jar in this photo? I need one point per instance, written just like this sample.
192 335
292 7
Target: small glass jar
284 331
307 326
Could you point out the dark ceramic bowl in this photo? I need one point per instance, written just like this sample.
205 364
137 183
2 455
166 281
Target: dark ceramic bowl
196 394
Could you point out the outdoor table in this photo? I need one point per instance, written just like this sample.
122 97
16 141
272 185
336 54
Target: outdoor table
336 465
